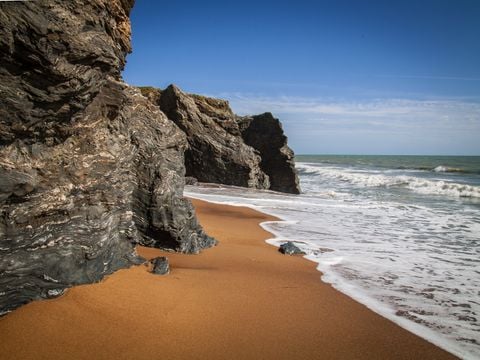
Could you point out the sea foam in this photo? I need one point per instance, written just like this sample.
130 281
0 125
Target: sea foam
371 179
412 258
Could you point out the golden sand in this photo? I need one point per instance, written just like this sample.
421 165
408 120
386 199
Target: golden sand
239 300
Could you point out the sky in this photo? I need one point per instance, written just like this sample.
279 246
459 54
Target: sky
344 77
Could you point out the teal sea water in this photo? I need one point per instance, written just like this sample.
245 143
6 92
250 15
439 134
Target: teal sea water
448 180
460 164
404 235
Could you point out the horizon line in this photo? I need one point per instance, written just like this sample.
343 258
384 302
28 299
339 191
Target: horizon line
331 154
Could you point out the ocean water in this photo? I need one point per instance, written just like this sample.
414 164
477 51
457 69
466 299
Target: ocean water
400 234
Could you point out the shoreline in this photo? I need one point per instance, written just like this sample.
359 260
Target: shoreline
237 300
372 304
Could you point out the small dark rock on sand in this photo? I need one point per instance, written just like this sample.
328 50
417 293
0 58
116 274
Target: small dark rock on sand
289 248
160 265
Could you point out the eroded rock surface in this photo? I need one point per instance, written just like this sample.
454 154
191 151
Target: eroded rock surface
224 148
265 134
88 166
216 153
56 56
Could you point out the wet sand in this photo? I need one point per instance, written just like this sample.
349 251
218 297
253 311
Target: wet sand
239 300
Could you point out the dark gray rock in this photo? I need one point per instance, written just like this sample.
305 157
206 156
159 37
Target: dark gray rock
160 265
289 248
89 167
225 148
55 57
163 216
216 153
265 134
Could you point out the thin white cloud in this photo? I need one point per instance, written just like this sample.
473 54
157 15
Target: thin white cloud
382 126
427 77
378 112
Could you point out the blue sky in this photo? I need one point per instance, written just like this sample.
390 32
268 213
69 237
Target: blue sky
344 77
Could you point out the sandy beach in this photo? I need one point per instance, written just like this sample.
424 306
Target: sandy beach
239 300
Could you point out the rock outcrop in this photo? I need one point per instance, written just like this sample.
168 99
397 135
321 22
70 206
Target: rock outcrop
216 151
88 166
265 134
224 148
56 56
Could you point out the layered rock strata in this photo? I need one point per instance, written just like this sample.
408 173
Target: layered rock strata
88 166
216 151
224 148
265 134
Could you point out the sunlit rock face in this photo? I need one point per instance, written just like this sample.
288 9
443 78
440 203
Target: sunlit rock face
265 134
250 151
88 166
216 151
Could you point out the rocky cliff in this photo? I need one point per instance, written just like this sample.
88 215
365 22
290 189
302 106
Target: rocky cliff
265 134
224 148
216 152
88 166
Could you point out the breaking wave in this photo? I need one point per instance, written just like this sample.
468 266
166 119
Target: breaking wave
383 179
447 169
404 242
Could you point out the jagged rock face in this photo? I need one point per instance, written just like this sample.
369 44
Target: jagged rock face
224 148
163 216
265 134
216 151
88 166
56 56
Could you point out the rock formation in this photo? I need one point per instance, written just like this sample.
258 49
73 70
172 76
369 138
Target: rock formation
216 151
265 134
88 166
224 148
